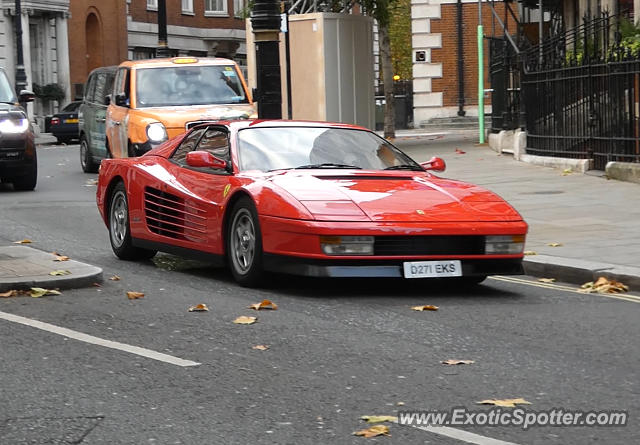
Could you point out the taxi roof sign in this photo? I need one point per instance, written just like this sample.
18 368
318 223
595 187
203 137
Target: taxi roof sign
185 60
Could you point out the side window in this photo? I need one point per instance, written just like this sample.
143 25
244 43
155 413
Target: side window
188 144
121 84
108 85
90 89
215 142
99 92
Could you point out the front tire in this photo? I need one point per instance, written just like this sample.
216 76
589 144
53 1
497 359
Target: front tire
244 244
119 229
27 182
86 161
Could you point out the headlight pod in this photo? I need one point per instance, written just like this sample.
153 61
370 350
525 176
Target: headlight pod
156 132
347 245
504 244
14 126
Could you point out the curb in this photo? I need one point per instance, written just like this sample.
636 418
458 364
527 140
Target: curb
25 267
577 271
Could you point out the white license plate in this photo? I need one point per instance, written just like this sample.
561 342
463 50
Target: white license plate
432 269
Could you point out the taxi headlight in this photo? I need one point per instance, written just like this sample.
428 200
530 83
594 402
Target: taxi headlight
347 245
504 244
156 132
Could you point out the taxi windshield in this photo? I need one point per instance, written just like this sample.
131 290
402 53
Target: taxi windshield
188 85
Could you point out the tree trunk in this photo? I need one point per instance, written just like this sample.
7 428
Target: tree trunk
387 75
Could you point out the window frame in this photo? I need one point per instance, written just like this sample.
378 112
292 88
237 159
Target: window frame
189 10
214 12
152 5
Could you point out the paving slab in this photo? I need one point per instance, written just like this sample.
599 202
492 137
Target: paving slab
23 267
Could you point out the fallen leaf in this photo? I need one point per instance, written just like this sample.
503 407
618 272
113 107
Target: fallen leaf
376 430
604 286
245 320
460 152
400 403
260 347
23 241
199 308
530 252
59 273
37 292
566 171
9 294
554 244
379 419
115 278
547 280
97 285
427 307
509 403
457 362
134 295
91 182
264 304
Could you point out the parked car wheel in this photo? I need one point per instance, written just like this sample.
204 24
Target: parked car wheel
119 230
28 181
244 244
86 161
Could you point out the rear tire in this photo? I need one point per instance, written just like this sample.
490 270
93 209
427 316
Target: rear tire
86 161
119 229
27 182
244 244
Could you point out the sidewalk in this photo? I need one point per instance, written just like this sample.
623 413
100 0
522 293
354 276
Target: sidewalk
596 221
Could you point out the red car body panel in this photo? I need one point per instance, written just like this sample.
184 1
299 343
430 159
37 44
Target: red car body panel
295 207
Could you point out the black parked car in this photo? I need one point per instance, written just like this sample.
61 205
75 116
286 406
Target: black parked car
64 124
18 161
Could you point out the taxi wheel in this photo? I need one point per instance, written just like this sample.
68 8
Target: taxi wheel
86 161
244 244
119 229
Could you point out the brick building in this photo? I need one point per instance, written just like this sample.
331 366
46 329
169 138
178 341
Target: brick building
105 33
436 67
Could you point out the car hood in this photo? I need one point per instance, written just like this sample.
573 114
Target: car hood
177 117
394 197
14 110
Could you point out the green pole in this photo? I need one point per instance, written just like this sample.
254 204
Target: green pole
480 84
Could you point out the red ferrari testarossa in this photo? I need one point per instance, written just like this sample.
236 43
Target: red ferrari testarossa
305 198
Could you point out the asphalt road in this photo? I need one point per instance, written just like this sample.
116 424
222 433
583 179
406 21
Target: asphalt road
338 350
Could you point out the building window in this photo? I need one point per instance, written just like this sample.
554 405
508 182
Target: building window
239 8
215 7
187 6
152 5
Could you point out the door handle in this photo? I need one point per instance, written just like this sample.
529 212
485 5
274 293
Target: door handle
100 119
116 122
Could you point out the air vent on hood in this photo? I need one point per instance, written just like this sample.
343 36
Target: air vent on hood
365 177
170 216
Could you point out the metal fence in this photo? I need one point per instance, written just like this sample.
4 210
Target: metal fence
581 93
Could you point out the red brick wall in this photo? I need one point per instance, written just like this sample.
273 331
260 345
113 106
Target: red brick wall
113 24
139 13
448 55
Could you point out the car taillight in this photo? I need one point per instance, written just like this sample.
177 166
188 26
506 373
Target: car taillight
55 121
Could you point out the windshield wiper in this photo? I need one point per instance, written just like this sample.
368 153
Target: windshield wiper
405 167
327 165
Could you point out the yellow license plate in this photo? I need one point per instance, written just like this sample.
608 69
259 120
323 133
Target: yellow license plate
71 121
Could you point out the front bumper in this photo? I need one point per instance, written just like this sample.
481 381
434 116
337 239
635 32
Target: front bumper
17 155
379 268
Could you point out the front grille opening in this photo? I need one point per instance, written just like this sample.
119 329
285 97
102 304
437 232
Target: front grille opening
429 245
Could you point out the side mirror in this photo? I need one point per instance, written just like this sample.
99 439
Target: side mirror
107 99
121 100
205 159
26 96
436 164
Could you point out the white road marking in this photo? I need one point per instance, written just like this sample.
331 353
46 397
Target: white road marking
626 297
96 340
464 436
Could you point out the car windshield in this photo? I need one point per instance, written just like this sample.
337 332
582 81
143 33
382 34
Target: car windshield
6 92
279 148
188 85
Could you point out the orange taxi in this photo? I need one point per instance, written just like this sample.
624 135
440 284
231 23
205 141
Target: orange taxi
157 99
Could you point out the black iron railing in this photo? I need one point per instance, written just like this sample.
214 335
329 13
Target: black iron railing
581 93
